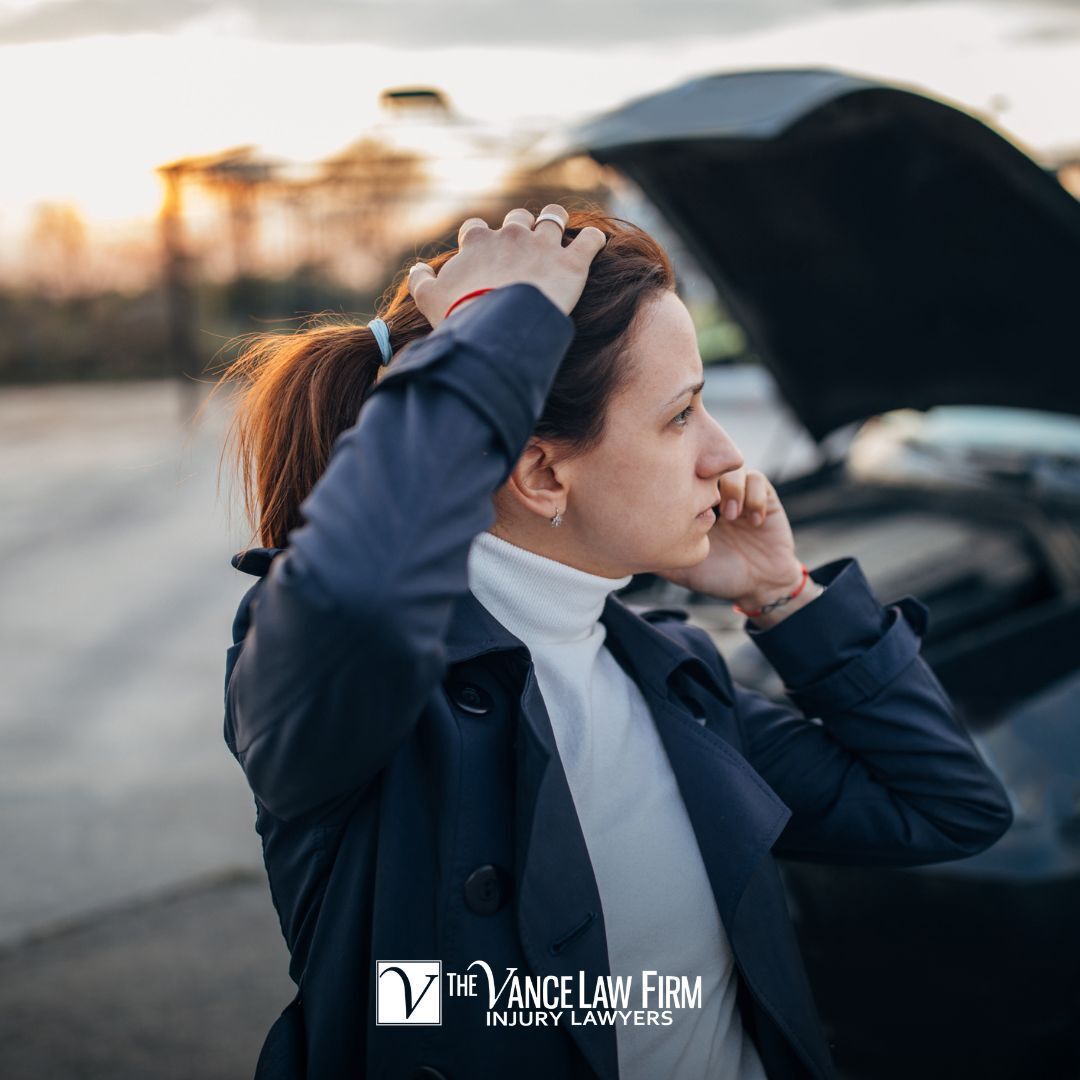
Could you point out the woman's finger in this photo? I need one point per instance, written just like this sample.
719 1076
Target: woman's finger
757 495
468 225
732 492
519 216
587 243
420 275
545 224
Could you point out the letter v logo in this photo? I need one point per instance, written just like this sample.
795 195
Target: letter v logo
402 992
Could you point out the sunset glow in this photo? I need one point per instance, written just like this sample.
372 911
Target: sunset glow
98 114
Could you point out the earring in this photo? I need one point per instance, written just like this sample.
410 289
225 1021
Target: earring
556 521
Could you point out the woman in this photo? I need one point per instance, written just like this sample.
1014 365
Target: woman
465 750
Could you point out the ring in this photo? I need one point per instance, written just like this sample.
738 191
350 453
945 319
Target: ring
550 217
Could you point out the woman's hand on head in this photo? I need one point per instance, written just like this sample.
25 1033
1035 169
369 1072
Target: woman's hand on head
520 251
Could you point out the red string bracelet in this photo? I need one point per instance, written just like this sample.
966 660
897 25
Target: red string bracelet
462 299
777 603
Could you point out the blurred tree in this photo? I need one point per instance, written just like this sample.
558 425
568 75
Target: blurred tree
363 193
241 179
176 276
56 251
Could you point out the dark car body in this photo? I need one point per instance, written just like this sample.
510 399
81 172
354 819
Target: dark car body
886 251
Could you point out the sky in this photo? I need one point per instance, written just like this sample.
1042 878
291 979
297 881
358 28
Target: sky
99 92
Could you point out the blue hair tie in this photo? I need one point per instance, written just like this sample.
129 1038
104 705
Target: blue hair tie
382 336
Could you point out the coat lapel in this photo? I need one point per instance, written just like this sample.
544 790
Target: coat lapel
736 816
560 920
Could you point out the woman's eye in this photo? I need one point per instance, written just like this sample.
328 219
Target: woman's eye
683 417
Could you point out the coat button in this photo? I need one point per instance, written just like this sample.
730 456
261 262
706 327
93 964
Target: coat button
487 889
471 698
426 1072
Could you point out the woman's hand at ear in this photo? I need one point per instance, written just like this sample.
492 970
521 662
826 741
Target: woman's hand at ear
520 251
751 556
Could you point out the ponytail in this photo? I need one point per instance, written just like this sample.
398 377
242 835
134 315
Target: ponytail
294 394
300 391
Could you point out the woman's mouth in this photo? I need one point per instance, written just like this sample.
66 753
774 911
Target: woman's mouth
708 515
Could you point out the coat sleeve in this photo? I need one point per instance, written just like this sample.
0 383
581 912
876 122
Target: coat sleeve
874 766
344 635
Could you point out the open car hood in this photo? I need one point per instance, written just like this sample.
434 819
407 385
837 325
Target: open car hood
881 249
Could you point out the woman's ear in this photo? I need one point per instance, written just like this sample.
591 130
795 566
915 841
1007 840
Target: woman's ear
538 481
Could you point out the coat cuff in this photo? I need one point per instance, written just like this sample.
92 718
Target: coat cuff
842 648
501 354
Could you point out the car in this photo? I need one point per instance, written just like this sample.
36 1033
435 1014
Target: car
908 276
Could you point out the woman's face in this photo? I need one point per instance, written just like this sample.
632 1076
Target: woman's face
632 503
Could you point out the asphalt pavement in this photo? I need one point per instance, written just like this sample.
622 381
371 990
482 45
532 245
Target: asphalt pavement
178 986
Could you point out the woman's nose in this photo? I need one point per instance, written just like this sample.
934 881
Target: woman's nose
721 455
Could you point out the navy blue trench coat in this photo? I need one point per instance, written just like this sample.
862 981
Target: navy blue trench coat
408 789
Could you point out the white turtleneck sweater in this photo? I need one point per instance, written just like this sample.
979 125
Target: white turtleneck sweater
658 906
